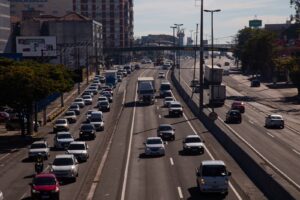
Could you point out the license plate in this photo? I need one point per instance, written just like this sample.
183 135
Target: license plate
45 196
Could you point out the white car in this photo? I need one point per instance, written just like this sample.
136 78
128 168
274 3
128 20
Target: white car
88 114
88 100
102 98
166 132
161 75
154 146
80 102
62 140
175 109
79 150
96 119
61 125
274 121
71 116
39 148
65 166
168 100
193 144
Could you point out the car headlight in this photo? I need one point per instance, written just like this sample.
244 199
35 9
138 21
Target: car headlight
148 149
202 181
35 191
56 190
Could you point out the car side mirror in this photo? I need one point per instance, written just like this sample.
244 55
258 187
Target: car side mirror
144 143
198 172
228 173
203 141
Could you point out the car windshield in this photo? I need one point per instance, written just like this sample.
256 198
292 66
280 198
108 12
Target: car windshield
165 87
76 147
78 100
96 119
102 98
192 139
44 181
103 103
64 136
175 106
87 97
169 99
63 161
60 121
69 114
154 141
87 127
38 146
74 107
165 128
218 170
276 117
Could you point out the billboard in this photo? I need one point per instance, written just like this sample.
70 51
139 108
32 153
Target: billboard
36 46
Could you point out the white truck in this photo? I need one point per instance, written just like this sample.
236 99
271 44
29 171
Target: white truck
146 90
111 77
217 95
212 75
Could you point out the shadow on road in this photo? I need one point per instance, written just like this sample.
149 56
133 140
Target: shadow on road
196 195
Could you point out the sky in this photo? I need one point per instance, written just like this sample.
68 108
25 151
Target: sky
156 16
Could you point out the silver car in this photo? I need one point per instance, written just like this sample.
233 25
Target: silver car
61 125
154 146
88 100
193 144
80 102
62 140
71 116
168 100
274 121
79 150
166 132
37 148
65 166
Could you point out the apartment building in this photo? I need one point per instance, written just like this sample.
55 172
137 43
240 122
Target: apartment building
4 26
116 16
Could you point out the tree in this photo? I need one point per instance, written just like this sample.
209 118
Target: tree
24 83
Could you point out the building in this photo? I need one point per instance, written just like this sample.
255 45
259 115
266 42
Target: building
115 16
4 26
73 40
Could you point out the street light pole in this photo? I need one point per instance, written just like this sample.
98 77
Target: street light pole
178 58
173 27
201 59
212 51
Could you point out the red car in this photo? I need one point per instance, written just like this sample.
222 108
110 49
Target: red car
238 105
45 186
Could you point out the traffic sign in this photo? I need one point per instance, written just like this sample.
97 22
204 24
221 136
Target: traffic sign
213 116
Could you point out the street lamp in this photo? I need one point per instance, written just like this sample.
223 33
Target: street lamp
212 51
174 27
178 58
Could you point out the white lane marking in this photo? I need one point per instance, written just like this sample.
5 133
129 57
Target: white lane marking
23 196
159 116
124 95
129 147
157 107
297 152
251 122
270 134
155 100
210 155
171 161
180 192
5 156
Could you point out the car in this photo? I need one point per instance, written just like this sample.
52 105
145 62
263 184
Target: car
93 89
102 79
233 116
154 146
102 98
87 92
108 95
274 120
39 148
96 84
61 125
4 116
88 100
127 68
70 116
226 63
119 77
238 105
62 140
108 89
161 75
165 87
45 186
213 177
175 109
80 102
96 119
194 83
124 72
226 72
75 107
137 66
87 131
166 66
65 166
255 83
193 144
168 100
103 106
88 114
79 150
166 132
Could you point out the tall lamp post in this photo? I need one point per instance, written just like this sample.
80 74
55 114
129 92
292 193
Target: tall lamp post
178 59
212 50
173 27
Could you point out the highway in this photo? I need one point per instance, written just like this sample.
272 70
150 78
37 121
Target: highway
117 167
279 148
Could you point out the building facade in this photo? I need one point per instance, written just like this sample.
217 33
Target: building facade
116 16
4 26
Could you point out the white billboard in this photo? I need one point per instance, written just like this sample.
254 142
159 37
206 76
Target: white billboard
36 46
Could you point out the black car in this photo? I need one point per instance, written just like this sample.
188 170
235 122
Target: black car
255 83
233 116
87 131
104 106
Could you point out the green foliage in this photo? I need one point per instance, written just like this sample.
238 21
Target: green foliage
22 83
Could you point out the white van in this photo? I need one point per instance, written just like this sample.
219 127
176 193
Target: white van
96 119
213 177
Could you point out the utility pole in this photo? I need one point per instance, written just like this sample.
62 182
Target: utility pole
174 52
201 60
178 58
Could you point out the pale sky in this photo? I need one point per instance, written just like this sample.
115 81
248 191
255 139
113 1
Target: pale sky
156 16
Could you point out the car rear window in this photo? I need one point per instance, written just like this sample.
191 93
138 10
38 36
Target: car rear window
63 161
44 181
218 170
